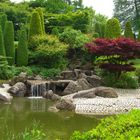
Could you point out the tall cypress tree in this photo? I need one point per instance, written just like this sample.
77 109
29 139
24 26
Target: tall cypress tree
3 19
139 36
39 10
128 33
22 50
35 25
9 42
2 48
113 28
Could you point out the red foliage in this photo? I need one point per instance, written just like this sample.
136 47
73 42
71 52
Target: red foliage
123 48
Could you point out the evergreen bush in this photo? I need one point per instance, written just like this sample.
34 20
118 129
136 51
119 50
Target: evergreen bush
35 26
9 42
113 28
2 48
22 50
3 19
128 33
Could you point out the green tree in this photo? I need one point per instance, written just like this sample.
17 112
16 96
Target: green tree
128 10
113 28
35 25
128 30
40 11
9 42
3 19
2 48
22 50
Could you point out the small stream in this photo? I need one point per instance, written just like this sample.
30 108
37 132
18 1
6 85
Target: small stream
22 113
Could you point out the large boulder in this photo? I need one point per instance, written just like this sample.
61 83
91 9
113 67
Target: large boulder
51 96
72 87
85 94
65 105
106 92
6 97
94 80
22 77
75 86
69 75
19 89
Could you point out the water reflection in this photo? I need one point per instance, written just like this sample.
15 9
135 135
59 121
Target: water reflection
22 112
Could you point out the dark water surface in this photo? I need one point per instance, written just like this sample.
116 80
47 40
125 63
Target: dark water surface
22 113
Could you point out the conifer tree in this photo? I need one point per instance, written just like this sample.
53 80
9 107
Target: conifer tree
113 28
35 25
139 36
22 50
3 19
39 10
2 48
9 42
128 33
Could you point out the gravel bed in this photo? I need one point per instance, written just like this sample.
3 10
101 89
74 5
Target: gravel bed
127 100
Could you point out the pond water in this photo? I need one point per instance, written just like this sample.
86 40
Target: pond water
23 112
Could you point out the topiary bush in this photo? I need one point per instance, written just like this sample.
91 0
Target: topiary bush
120 127
9 42
113 28
22 50
128 33
35 25
2 48
3 19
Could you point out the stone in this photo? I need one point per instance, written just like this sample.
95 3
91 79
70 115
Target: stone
6 97
19 89
72 87
77 72
21 78
65 105
69 75
38 77
85 94
94 80
106 92
51 96
84 84
53 109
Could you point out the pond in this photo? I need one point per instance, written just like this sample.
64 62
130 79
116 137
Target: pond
23 112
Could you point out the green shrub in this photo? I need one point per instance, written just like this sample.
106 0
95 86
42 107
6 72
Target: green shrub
120 127
126 80
5 70
113 28
9 42
3 19
74 38
128 30
35 25
22 50
55 31
2 48
51 53
40 11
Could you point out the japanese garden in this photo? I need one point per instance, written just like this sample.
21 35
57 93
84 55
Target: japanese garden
69 72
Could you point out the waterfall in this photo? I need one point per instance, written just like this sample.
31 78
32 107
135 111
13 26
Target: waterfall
37 89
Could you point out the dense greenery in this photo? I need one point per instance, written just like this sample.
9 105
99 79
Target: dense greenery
120 127
2 48
9 42
22 50
128 30
113 28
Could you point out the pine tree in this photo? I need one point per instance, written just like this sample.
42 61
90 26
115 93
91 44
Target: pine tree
22 50
9 42
3 19
113 28
128 33
39 10
2 48
35 25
